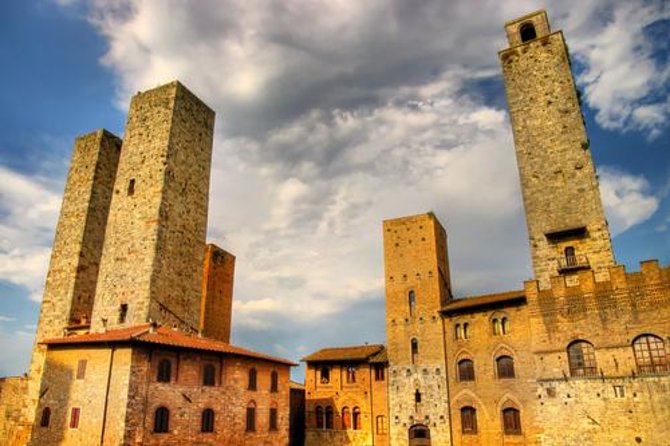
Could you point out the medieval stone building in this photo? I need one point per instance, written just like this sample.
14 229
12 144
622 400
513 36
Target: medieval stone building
132 344
575 356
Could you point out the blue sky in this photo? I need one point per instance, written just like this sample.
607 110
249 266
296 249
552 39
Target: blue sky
330 118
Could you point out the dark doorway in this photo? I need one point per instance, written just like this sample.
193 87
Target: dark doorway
419 435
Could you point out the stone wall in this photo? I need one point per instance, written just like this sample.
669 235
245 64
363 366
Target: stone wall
559 184
12 396
155 241
416 264
367 394
216 306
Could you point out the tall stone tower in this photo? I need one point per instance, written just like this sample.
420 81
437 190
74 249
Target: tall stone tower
152 263
71 282
417 279
566 223
216 307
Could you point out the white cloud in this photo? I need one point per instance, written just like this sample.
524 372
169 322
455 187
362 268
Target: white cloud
28 213
626 199
6 318
333 116
622 79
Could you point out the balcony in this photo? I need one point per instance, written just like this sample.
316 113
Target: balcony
573 263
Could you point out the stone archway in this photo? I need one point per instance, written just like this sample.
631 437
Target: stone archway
419 435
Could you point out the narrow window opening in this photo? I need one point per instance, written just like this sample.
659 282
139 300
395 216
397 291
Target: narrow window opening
325 375
415 351
274 382
252 379
123 313
329 417
81 369
46 417
412 303
273 418
466 330
379 372
251 417
131 187
164 371
496 327
381 425
207 421
351 374
319 418
74 417
208 375
469 420
357 418
505 325
346 418
570 257
527 32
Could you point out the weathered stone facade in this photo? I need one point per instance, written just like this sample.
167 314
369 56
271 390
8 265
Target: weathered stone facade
216 306
152 260
129 256
559 185
417 279
346 397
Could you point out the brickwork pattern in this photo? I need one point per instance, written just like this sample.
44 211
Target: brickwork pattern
155 240
415 261
216 306
559 185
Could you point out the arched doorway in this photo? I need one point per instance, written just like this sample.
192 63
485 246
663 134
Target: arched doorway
419 435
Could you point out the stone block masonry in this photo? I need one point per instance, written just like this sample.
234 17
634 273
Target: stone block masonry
155 241
216 307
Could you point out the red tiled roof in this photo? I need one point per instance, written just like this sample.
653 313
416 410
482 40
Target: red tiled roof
162 336
473 302
353 353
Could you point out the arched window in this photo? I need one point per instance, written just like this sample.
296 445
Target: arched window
582 359
319 418
207 421
381 424
164 371
458 332
466 370
208 375
329 417
252 379
273 417
466 330
351 374
468 420
570 257
415 350
650 354
251 417
161 420
46 417
325 375
504 322
505 367
496 327
346 418
357 418
417 396
527 32
418 431
511 421
274 381
412 302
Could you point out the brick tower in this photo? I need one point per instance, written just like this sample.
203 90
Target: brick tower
566 223
67 302
152 263
416 272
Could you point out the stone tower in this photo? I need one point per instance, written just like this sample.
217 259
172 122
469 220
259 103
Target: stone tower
416 272
566 223
152 263
216 307
71 282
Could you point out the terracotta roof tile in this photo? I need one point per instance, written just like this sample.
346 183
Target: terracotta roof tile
353 353
470 303
380 357
163 336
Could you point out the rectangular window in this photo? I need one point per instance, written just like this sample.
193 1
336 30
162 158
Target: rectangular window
74 418
351 374
379 372
123 313
619 391
273 419
81 369
251 419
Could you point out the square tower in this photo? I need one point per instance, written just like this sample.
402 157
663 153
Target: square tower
417 280
216 307
152 261
566 223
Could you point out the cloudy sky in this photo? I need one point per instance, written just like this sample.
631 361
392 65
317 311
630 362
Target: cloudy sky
331 117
